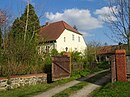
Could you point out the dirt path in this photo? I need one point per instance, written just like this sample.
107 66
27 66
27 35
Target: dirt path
57 89
84 92
60 88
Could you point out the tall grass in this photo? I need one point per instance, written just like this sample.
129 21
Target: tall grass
117 89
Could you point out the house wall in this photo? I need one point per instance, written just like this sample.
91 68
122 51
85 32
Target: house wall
47 47
66 40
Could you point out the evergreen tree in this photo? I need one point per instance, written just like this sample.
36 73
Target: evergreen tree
33 25
33 22
24 48
16 33
1 38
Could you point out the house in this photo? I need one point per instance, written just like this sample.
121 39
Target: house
61 36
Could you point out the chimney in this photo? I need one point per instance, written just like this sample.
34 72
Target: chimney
47 23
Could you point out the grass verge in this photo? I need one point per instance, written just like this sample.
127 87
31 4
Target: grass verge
117 89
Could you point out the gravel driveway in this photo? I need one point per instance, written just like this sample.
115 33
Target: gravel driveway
60 88
84 92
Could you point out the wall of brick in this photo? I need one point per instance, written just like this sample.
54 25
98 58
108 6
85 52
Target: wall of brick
19 81
121 65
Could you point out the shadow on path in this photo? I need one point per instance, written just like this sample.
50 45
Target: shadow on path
60 88
85 91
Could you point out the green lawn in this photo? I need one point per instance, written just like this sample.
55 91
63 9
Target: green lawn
117 89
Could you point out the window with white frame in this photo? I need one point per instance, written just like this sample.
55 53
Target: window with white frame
73 37
78 39
64 39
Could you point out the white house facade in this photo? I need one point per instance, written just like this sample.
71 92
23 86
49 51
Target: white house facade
61 36
70 40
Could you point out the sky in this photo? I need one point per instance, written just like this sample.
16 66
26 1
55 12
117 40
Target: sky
87 15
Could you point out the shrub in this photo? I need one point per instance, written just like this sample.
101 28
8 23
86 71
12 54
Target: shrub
76 56
54 52
103 65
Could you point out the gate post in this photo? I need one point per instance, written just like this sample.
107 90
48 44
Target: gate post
121 65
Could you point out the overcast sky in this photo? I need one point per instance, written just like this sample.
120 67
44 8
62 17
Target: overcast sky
87 15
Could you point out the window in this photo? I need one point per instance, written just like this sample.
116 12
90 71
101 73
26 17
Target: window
72 37
39 49
64 39
47 49
78 39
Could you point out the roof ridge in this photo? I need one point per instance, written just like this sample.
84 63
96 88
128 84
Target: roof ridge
63 24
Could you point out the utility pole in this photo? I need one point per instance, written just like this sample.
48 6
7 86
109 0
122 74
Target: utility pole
26 26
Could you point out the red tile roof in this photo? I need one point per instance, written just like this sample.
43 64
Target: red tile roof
104 50
52 31
110 49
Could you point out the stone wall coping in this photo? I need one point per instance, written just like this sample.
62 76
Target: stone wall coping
24 76
3 78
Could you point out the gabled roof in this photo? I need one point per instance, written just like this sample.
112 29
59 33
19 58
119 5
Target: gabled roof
52 31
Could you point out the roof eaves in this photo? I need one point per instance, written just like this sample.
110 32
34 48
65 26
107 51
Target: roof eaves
74 31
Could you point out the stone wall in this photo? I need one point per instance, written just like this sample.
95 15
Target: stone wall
19 81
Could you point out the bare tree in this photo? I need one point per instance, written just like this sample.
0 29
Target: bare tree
90 54
119 21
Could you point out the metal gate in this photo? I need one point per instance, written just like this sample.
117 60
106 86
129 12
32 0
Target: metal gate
60 67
